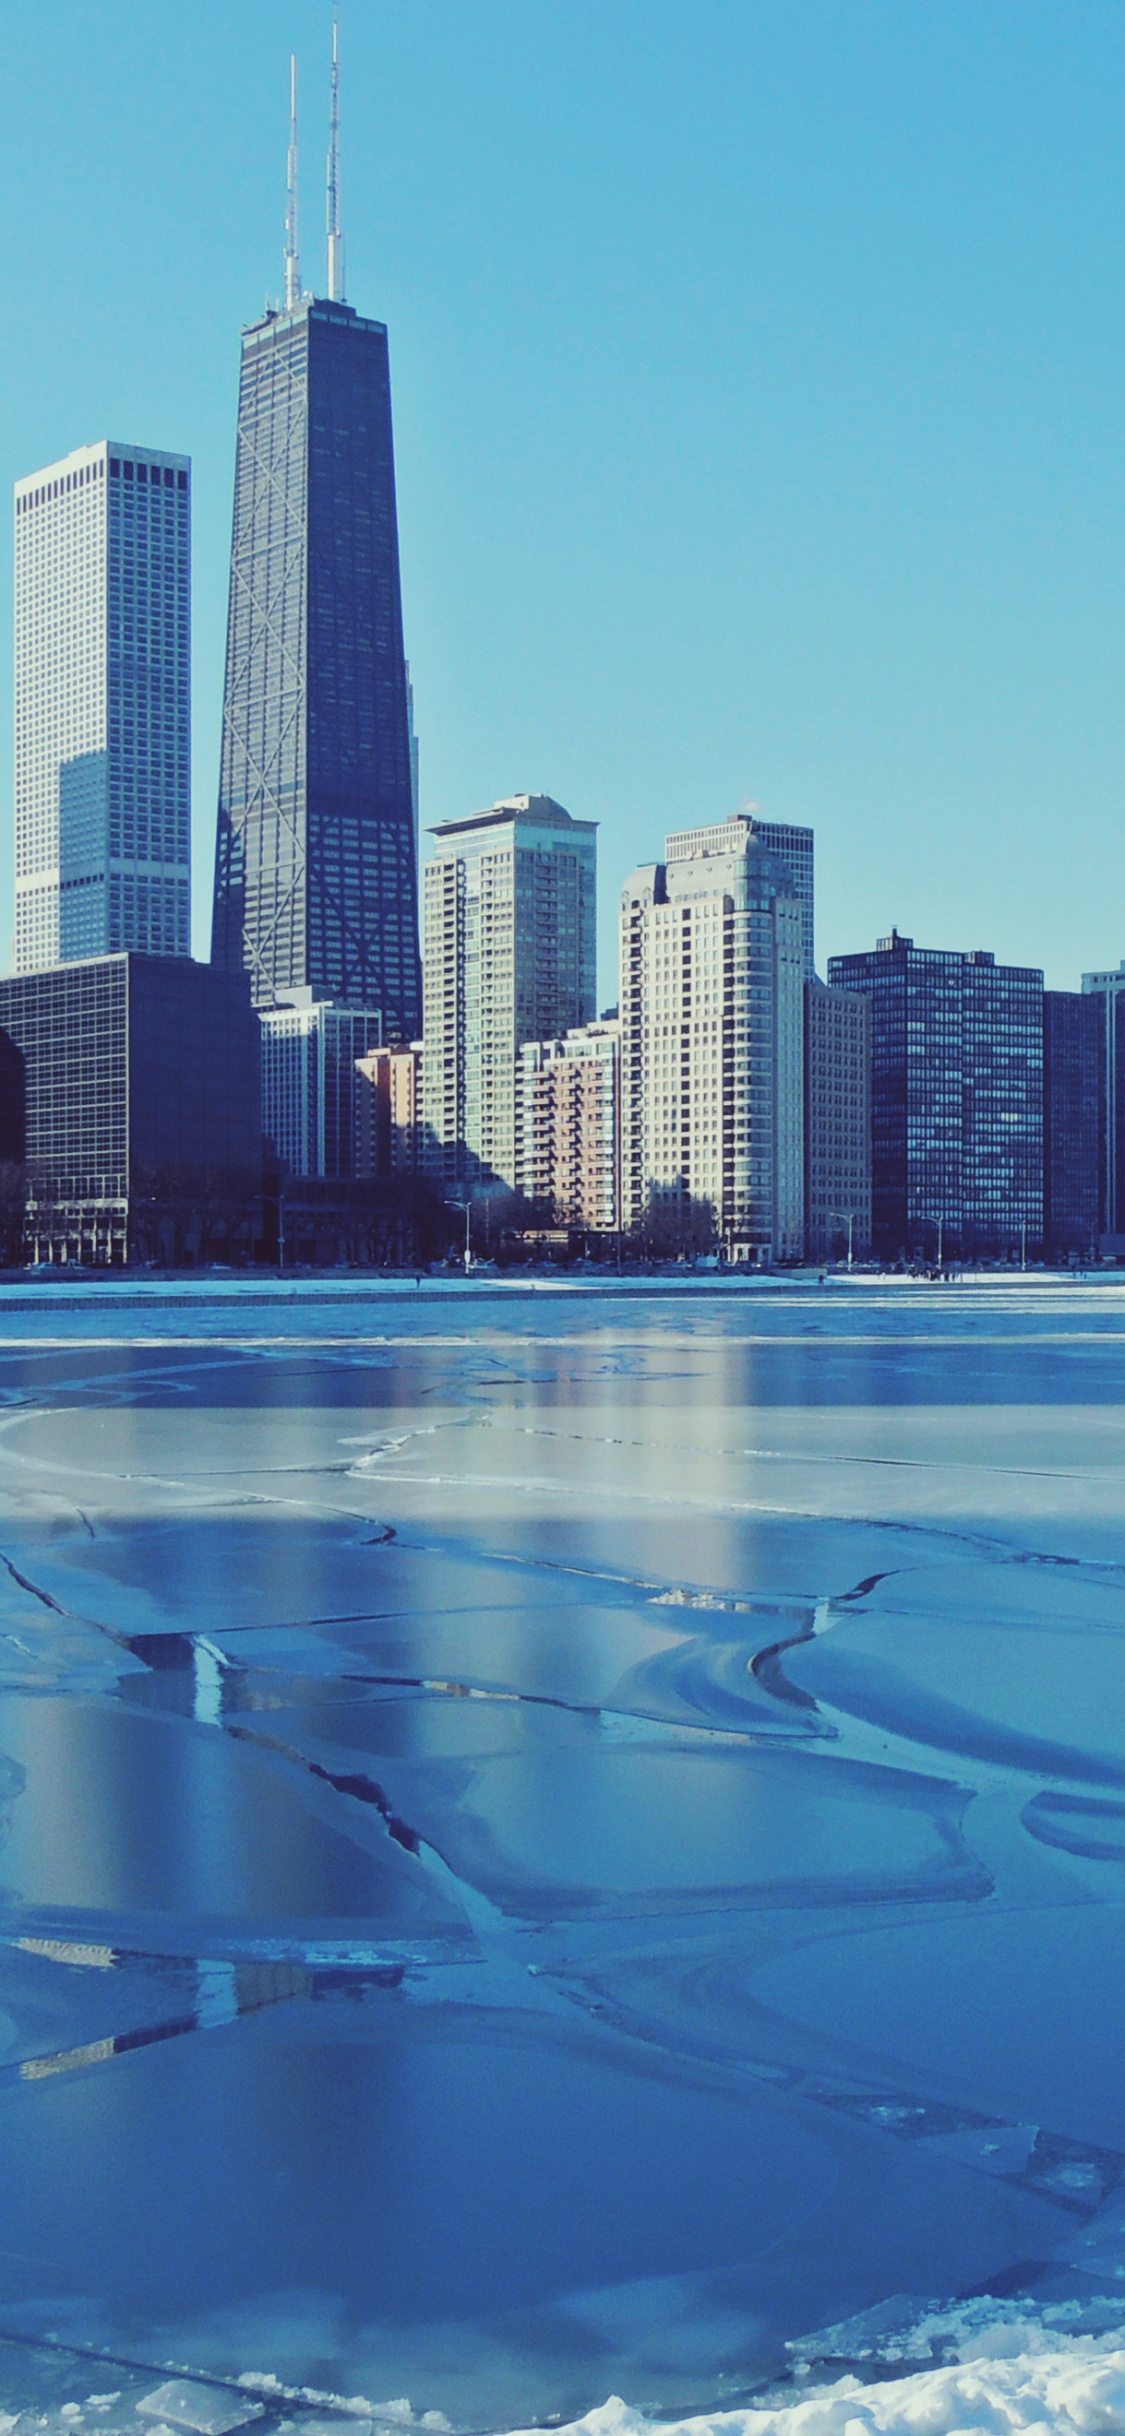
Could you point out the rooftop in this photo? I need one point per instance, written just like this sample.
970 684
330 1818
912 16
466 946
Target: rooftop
540 811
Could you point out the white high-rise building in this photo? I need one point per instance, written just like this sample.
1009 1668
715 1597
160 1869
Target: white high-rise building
782 837
310 1087
508 956
712 1047
103 706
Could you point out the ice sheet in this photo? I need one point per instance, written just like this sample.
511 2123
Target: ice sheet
558 1843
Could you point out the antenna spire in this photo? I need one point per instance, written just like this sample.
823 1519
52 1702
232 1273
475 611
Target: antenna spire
335 238
292 253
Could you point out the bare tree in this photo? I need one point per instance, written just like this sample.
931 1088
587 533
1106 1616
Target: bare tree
677 1226
13 1210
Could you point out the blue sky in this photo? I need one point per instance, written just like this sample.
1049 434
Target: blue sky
759 381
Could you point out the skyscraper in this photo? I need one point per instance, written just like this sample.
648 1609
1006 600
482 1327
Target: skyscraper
315 874
957 1098
415 799
1108 990
1074 1096
103 706
837 1122
794 845
712 1047
509 957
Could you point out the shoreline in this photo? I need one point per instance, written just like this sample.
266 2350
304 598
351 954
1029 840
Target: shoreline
233 1290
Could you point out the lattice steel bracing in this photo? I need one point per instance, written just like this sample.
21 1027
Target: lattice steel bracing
315 879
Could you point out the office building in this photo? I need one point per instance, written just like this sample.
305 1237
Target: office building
142 1097
1073 1094
316 876
567 1127
957 1100
794 845
13 1103
102 706
509 956
837 1122
415 798
389 1111
1108 991
310 1086
712 1048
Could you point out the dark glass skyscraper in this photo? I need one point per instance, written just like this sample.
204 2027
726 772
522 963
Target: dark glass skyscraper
315 875
957 1098
1073 1122
132 1087
1107 990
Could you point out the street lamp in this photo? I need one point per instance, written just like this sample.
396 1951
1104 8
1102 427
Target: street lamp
849 1218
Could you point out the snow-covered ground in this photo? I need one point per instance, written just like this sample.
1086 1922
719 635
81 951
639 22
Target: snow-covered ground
1077 2387
563 1845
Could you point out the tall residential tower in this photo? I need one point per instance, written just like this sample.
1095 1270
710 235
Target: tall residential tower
103 706
793 844
713 959
510 957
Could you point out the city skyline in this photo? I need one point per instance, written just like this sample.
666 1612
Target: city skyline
952 691
739 1103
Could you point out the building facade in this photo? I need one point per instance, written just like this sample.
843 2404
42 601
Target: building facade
13 1104
568 1129
957 1100
142 1096
389 1112
1073 1097
792 844
712 1049
103 706
509 956
315 875
310 1087
837 1122
415 781
1108 991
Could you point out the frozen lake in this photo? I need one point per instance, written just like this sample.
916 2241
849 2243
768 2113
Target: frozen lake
554 1844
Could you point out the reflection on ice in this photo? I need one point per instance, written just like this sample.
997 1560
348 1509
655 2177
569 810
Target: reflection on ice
559 1853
